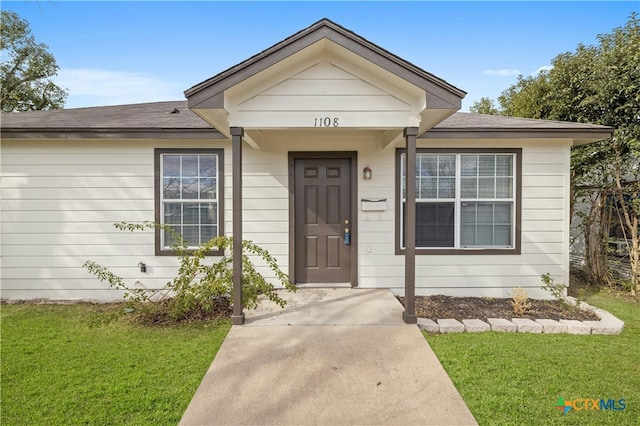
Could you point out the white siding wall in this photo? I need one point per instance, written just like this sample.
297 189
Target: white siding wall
356 99
61 198
265 204
545 206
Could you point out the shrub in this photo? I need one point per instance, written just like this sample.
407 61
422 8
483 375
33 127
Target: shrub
520 301
199 285
557 290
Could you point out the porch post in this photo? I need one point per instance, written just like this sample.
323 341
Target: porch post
409 314
237 317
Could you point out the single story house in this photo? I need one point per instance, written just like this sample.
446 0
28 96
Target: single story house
347 163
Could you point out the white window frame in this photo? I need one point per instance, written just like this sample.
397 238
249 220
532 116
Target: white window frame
161 247
513 248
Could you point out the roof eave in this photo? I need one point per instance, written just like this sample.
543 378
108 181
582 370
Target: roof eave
578 136
149 133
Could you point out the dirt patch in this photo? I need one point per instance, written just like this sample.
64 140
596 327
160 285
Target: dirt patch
159 313
444 307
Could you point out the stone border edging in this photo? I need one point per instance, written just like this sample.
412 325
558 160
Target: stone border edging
608 324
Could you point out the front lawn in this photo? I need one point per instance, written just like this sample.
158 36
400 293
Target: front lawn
59 368
517 378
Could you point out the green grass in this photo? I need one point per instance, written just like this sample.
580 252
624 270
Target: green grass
58 369
516 379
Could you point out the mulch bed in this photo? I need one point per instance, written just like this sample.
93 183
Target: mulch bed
431 307
159 314
444 307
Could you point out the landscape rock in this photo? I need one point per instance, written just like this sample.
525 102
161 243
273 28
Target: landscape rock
605 327
428 325
450 326
577 327
552 326
526 325
582 305
501 324
606 316
608 323
475 326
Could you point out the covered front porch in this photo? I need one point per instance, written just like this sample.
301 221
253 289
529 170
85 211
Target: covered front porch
331 102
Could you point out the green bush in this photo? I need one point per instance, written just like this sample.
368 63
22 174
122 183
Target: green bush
202 283
557 290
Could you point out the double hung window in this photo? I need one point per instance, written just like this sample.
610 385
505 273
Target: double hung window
189 196
465 200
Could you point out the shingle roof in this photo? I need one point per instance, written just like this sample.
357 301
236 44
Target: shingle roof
167 118
173 118
469 121
477 126
156 115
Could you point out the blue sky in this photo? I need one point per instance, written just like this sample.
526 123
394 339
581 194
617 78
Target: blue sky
120 52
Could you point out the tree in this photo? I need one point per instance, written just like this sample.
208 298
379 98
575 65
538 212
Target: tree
526 97
26 69
596 84
484 106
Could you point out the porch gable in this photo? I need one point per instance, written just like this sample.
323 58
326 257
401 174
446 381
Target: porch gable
308 75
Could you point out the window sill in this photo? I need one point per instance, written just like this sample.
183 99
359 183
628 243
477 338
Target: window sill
171 253
463 252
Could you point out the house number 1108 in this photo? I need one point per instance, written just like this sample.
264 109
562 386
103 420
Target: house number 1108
326 122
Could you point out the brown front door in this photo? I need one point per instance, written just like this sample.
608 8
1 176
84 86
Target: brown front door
322 215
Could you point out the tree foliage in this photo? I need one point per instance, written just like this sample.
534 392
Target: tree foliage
597 84
524 99
26 69
484 106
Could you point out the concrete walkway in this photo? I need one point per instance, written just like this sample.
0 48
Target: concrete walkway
332 357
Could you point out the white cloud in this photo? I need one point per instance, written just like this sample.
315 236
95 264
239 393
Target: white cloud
502 72
544 68
93 87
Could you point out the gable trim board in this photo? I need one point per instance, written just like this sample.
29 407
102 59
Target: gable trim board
322 30
68 175
217 98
